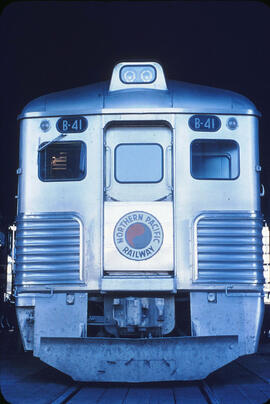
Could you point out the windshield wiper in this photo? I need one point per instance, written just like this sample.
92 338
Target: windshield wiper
52 141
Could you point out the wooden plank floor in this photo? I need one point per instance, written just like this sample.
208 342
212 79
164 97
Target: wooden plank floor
26 380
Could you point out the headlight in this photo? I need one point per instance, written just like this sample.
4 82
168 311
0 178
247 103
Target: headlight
138 74
129 76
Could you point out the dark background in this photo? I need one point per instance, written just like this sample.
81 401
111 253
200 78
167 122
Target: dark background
50 46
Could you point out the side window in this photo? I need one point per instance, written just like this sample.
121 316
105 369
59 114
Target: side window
62 161
215 159
138 163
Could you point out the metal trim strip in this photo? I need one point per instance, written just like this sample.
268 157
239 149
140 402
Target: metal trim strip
128 284
141 111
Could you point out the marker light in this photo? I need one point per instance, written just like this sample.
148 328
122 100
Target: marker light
232 123
138 74
45 126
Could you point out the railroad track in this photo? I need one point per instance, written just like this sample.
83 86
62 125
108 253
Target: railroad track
145 394
26 380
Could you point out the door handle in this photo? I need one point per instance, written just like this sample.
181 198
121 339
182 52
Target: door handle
262 190
168 166
108 161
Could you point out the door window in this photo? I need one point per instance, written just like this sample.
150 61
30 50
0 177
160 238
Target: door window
138 163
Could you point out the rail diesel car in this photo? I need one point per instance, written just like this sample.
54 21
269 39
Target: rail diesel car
138 250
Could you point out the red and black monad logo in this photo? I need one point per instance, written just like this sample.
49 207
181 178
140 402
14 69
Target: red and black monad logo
138 235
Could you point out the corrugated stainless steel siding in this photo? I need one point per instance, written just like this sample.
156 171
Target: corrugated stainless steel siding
47 249
229 248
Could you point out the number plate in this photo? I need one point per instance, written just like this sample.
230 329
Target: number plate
204 123
74 124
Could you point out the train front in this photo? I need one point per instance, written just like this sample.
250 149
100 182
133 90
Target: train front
138 253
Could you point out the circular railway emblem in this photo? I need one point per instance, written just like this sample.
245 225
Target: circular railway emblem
138 235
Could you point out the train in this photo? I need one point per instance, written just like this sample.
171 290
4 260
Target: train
137 255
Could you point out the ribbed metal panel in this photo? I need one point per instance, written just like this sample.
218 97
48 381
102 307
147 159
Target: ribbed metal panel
229 248
47 249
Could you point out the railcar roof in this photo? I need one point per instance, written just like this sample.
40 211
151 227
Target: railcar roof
181 97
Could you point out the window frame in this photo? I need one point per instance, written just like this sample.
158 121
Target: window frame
83 145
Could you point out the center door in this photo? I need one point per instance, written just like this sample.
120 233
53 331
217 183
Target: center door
138 205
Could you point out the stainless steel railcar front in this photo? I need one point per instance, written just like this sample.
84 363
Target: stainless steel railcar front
92 303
